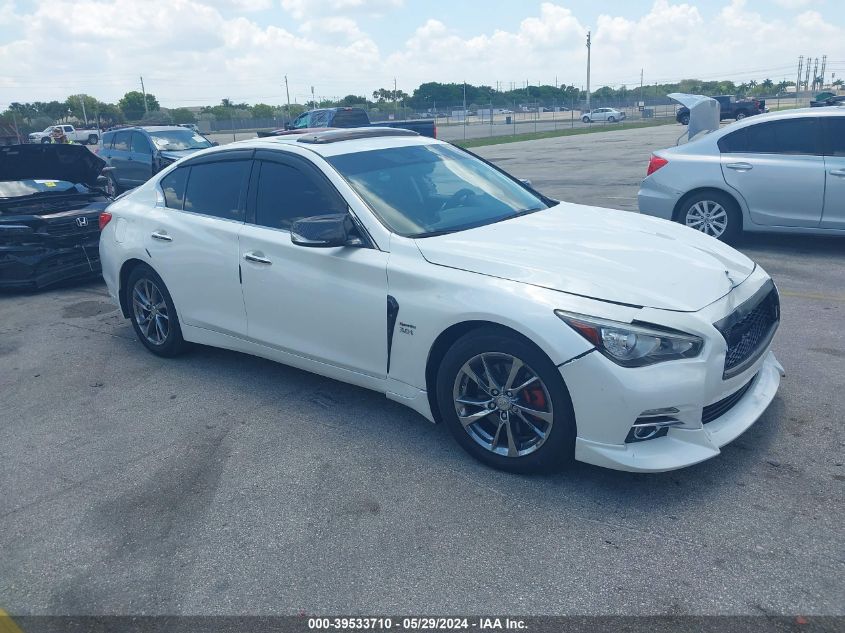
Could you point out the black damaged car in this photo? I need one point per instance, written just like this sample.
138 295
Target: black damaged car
50 207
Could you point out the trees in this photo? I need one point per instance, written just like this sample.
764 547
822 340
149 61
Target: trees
132 105
263 111
182 115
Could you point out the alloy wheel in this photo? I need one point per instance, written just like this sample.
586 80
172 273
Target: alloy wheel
150 311
503 404
708 217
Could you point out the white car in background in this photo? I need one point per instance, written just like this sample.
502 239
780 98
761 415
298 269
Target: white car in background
603 114
537 331
779 172
85 137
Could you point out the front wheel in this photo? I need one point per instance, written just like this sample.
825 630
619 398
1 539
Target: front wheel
153 314
585 119
612 119
740 116
714 214
45 140
505 403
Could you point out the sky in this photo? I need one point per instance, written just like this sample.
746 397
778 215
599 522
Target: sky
196 52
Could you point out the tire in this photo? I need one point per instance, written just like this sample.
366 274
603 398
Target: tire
585 119
163 322
695 209
611 119
93 139
549 446
741 115
45 140
684 120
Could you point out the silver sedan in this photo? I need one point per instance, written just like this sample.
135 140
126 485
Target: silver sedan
780 172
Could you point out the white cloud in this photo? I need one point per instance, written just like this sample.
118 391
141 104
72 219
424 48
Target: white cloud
194 52
301 9
794 4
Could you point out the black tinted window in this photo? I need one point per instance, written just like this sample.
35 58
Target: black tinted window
140 144
793 136
173 185
350 118
835 136
286 194
121 141
215 188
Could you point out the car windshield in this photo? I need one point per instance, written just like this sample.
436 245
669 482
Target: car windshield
176 140
426 190
20 188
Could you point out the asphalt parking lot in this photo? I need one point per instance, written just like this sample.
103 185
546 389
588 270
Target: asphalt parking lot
219 483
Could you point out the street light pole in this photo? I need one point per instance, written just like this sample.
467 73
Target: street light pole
588 71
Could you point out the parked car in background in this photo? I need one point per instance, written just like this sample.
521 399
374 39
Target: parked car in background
191 126
50 204
603 114
134 154
86 137
351 117
536 331
730 108
780 172
828 101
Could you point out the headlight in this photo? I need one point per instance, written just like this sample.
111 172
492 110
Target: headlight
633 345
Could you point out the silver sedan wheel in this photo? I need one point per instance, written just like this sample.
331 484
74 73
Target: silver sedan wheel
150 311
503 404
708 217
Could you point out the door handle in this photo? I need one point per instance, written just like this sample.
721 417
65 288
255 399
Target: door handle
161 236
837 172
740 166
257 259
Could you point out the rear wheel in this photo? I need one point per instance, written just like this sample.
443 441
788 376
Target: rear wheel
92 139
741 115
505 403
684 119
713 213
152 313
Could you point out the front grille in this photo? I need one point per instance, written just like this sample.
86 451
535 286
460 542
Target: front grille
718 409
749 329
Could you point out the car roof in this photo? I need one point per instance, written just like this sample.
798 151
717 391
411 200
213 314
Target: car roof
335 148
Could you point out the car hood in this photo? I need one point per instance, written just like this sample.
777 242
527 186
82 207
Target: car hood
72 163
602 254
170 154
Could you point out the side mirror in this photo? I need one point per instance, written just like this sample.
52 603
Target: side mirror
526 182
324 231
288 126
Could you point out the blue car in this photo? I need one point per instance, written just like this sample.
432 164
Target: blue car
134 154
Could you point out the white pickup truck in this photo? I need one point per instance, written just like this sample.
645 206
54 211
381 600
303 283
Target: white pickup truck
90 137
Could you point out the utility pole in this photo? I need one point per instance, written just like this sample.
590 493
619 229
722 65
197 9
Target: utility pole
287 93
84 116
588 71
815 73
641 103
144 92
313 100
798 82
821 74
807 75
465 110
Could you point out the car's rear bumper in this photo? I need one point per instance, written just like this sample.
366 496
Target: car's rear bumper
656 199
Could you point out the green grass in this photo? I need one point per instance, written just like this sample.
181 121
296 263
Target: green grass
533 136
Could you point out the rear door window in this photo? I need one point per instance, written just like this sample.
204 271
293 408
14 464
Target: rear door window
789 136
173 186
121 141
350 118
215 189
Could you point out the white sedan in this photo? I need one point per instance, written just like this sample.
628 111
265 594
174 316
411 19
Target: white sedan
537 331
603 114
